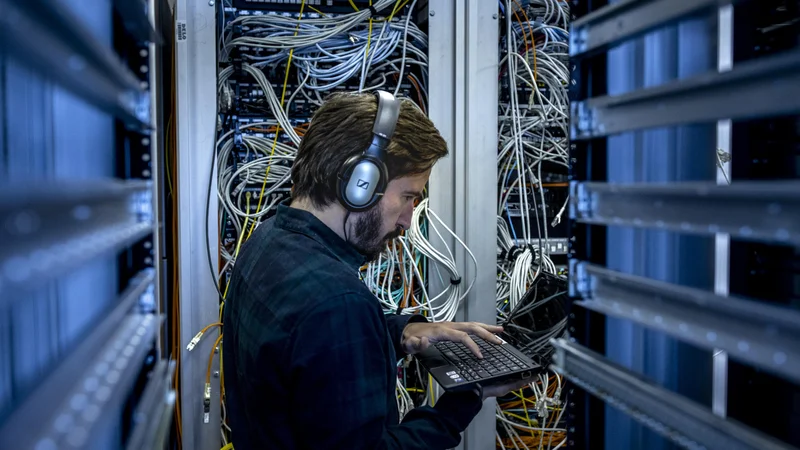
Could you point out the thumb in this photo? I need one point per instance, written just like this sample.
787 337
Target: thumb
424 343
416 344
411 345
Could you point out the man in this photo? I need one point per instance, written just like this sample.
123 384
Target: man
309 357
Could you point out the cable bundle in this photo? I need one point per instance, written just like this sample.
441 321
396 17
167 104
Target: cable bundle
533 130
398 278
326 51
277 70
530 420
312 31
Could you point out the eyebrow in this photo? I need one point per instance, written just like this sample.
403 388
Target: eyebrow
414 193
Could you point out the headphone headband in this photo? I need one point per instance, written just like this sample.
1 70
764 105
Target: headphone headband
388 113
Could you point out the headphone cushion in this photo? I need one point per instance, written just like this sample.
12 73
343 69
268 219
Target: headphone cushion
362 181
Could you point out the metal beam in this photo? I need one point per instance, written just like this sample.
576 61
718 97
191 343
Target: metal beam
196 72
761 334
136 18
47 37
94 379
54 228
599 30
155 408
159 192
680 420
763 211
765 87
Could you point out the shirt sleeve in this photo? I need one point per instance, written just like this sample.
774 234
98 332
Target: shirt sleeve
341 375
396 323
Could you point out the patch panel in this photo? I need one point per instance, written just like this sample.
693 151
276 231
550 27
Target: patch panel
332 6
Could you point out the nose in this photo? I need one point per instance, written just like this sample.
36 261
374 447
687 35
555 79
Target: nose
405 217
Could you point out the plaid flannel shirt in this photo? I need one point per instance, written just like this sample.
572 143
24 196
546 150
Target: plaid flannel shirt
308 355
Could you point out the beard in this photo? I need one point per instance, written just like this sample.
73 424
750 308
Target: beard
367 234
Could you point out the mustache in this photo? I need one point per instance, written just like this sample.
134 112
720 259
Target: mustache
392 235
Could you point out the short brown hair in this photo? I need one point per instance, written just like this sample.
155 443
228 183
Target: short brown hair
342 127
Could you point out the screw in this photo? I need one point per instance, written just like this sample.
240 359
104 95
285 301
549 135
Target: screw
494 16
211 3
216 374
433 13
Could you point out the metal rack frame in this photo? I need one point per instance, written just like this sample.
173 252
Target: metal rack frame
682 421
56 227
738 328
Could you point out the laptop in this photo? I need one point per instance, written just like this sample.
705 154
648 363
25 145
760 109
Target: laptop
456 368
540 316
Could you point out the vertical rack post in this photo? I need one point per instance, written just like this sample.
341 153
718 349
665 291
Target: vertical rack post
463 105
196 69
719 393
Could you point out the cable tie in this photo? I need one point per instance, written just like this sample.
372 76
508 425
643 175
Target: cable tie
515 251
373 12
455 282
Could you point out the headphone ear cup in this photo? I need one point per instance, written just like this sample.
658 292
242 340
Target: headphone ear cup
362 182
344 179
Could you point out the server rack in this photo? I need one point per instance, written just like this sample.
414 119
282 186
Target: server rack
80 315
656 262
463 68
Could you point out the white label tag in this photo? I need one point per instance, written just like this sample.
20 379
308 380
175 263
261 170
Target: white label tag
180 30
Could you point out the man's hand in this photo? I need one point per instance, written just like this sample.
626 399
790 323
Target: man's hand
418 336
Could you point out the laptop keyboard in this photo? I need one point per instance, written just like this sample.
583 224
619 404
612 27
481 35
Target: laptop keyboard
496 360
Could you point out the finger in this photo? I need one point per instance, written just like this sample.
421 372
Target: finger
470 326
476 328
491 328
460 336
485 334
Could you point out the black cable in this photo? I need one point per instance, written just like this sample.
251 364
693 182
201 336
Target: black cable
214 274
346 216
208 212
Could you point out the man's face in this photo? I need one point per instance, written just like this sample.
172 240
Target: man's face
372 229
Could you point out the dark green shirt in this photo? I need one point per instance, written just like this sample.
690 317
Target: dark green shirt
310 360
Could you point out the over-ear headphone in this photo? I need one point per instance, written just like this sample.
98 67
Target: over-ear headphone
363 178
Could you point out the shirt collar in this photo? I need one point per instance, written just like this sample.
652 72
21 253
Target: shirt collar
303 222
